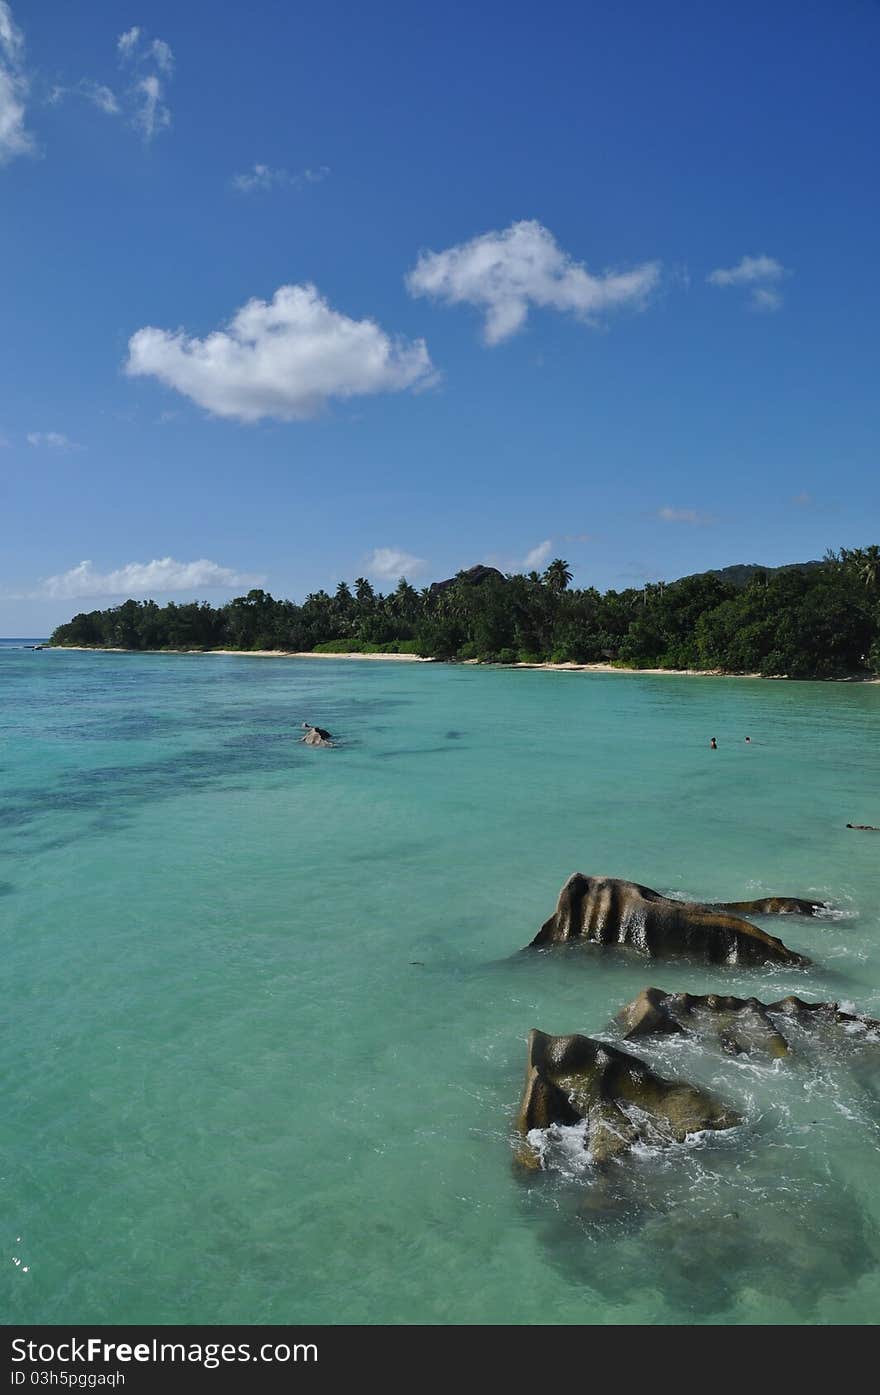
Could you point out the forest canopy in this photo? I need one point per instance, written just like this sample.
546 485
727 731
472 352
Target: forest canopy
818 620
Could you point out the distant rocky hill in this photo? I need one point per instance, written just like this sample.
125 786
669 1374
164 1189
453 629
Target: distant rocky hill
474 576
742 572
739 575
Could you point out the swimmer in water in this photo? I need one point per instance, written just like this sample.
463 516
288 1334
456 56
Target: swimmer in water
864 827
713 744
324 735
748 741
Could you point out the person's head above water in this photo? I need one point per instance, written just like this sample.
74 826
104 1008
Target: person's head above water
748 738
713 744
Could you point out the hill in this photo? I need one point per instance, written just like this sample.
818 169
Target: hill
741 573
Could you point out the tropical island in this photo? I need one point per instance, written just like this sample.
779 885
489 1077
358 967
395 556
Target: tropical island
807 620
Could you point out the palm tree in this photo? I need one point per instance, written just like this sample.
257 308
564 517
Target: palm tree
868 565
319 600
343 605
363 590
557 576
406 600
652 590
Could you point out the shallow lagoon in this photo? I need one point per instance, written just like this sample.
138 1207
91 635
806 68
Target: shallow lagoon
232 1096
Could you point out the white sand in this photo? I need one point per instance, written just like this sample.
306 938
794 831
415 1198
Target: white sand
418 659
242 653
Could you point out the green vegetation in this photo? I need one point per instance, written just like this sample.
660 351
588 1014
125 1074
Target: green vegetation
354 646
819 620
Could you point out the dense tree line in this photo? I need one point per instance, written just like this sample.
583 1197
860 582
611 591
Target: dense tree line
817 621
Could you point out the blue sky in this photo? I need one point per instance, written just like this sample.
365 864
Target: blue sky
582 280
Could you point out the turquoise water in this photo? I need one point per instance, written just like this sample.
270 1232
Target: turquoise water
230 1095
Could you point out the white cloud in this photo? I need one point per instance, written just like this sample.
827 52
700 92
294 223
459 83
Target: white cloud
260 177
283 358
756 273
100 96
747 271
11 37
55 440
95 92
128 42
691 516
763 298
144 102
150 115
15 139
162 576
390 563
162 56
506 272
535 559
263 177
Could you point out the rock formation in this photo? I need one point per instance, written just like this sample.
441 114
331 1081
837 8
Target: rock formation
737 1024
624 1102
771 905
604 910
471 576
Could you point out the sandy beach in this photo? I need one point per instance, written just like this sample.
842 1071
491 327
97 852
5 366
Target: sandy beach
616 668
241 653
475 663
685 672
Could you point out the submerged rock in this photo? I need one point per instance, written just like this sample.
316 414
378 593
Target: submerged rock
607 911
738 1024
622 1101
704 1231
